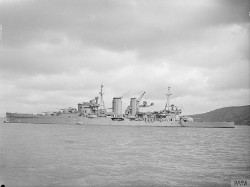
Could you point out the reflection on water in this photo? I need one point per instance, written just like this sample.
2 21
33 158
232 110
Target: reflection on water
74 155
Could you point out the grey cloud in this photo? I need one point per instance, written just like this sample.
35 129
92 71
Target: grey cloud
149 29
234 77
44 58
69 47
116 24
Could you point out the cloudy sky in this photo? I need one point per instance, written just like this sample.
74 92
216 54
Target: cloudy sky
57 53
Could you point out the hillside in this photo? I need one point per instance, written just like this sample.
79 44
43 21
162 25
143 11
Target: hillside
239 114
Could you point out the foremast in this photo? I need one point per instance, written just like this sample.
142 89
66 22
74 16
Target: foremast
102 105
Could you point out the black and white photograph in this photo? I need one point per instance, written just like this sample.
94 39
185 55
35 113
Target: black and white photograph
124 93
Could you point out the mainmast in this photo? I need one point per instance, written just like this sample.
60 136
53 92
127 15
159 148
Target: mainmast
102 106
168 99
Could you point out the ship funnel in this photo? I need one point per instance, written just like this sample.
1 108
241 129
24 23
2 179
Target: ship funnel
133 105
117 106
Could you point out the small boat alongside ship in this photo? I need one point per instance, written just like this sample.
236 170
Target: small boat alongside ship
95 113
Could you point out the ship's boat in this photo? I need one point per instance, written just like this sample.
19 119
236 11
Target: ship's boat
94 113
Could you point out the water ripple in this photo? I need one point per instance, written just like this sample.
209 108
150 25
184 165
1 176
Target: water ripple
73 155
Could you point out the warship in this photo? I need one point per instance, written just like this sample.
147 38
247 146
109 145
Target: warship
95 113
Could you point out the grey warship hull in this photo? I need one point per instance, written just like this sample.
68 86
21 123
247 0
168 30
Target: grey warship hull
81 120
94 113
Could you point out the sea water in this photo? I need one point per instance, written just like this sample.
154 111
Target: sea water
79 155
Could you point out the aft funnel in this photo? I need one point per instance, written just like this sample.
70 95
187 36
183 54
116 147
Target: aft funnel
117 106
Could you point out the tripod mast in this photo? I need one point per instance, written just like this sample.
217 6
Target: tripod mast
102 105
168 99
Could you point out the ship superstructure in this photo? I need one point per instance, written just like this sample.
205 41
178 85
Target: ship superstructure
94 112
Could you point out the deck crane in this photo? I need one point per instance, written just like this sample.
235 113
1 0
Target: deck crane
139 99
144 102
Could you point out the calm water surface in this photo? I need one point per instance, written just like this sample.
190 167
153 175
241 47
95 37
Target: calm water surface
74 155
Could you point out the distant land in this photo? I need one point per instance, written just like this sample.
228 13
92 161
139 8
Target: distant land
239 114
